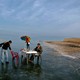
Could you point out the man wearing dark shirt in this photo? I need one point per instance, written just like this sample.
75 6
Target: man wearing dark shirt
5 47
39 51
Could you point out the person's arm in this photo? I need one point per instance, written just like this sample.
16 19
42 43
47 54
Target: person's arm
35 49
40 50
1 44
9 47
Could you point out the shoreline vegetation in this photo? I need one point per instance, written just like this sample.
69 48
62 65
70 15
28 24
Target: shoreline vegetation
69 46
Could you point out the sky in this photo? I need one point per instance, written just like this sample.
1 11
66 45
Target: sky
40 17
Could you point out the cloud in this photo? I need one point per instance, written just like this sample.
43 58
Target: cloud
30 9
49 15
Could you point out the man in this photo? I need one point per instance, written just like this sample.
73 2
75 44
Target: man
39 51
4 53
28 42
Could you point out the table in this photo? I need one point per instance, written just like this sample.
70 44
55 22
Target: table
28 53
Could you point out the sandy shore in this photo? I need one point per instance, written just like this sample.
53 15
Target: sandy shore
65 48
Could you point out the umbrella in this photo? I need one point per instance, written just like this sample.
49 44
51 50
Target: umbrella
24 38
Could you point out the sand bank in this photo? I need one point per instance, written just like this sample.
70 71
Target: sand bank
65 48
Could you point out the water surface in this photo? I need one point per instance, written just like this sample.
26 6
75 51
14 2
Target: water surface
53 67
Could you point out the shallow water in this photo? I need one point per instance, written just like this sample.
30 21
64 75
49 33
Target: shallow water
53 67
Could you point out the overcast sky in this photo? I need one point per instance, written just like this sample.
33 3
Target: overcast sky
45 17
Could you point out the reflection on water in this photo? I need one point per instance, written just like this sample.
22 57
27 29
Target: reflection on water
4 72
53 67
23 71
32 68
29 71
4 68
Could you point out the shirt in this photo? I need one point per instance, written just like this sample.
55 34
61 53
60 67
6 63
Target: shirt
6 46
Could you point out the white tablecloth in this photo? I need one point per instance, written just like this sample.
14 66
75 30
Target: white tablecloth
29 52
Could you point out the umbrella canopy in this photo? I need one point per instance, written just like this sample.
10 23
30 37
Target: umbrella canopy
24 38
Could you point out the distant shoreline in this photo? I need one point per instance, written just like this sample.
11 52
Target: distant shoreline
69 47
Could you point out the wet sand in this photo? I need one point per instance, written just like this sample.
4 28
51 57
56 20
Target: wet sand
65 48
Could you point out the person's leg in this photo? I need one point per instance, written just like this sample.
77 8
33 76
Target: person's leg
21 58
32 57
37 59
27 45
6 55
17 59
2 56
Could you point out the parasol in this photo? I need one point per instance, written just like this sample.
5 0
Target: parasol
24 38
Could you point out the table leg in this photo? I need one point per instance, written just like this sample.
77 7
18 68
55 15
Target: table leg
27 58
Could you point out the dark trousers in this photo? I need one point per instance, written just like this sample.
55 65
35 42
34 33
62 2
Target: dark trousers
32 57
28 46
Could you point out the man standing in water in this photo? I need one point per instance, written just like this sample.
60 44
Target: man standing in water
39 50
4 53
